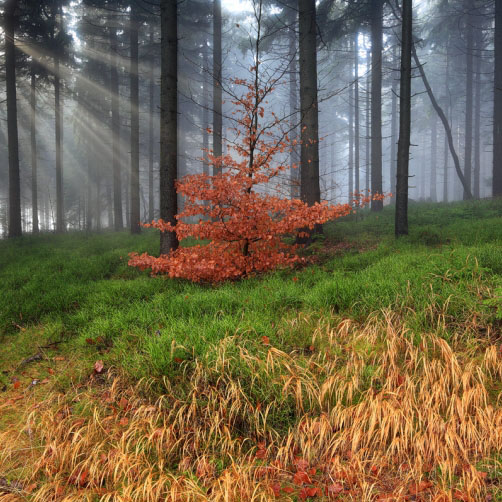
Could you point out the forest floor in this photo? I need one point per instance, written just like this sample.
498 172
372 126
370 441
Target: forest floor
373 374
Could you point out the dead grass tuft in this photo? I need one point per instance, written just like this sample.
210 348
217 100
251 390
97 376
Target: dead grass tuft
376 417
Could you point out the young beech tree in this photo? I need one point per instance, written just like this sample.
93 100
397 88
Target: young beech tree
243 222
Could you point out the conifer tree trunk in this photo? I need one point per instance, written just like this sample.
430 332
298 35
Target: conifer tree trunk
403 148
34 160
309 155
445 122
150 138
393 126
376 101
350 176
169 122
368 131
134 77
60 224
15 228
434 147
477 122
217 82
468 100
205 112
446 151
356 114
497 104
118 222
294 157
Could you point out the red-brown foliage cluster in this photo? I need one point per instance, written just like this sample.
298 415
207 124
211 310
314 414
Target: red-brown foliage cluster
244 226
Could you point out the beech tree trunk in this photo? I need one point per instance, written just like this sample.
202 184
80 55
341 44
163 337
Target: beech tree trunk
15 227
34 160
217 76
403 148
134 77
310 191
497 104
169 122
376 101
118 222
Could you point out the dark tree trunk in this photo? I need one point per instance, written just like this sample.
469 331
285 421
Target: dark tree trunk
376 101
368 132
118 222
134 176
169 122
434 150
310 191
205 112
34 159
217 76
356 114
393 126
446 156
350 177
477 120
444 120
497 104
15 227
90 202
151 138
60 223
468 101
403 148
294 156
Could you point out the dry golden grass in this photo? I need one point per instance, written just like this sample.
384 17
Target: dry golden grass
376 417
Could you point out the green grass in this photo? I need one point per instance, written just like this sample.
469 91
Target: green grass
78 287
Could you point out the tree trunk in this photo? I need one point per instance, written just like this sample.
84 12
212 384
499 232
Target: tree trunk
150 137
169 122
118 222
497 104
205 112
134 177
445 163
34 160
15 228
60 223
376 101
294 157
468 100
477 120
217 82
356 114
393 127
310 191
403 148
368 131
350 177
444 120
434 149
